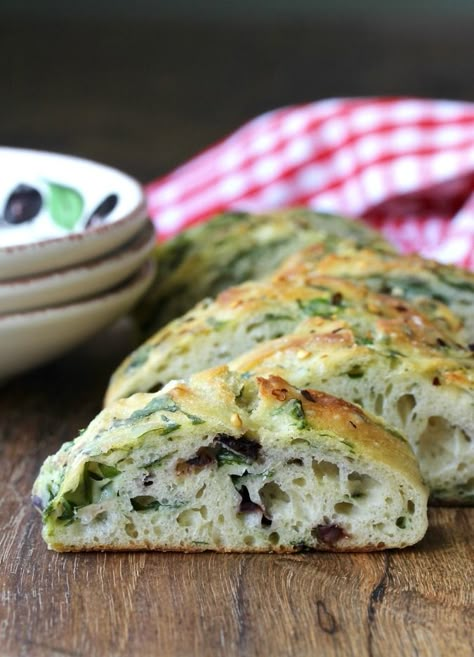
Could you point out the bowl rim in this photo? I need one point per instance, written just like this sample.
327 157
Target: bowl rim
144 272
145 237
139 209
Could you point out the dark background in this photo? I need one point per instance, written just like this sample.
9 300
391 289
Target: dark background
145 87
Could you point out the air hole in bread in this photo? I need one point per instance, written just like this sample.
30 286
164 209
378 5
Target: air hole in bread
344 508
325 469
299 441
190 518
296 461
249 540
299 481
378 404
405 406
435 450
273 497
410 507
274 538
356 372
131 530
360 485
201 491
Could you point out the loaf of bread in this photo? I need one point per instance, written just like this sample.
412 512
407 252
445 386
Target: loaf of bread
234 247
230 462
409 276
390 358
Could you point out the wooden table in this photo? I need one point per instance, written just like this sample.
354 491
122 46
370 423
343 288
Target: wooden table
145 107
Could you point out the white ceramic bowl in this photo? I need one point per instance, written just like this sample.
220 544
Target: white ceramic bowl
71 190
80 282
32 338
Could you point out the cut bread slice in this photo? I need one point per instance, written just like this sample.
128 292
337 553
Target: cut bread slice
232 463
427 395
408 276
236 246
216 331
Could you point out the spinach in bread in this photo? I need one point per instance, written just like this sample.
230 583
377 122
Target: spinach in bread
237 246
268 468
424 282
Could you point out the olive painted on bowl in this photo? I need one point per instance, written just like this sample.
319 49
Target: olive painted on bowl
23 205
102 210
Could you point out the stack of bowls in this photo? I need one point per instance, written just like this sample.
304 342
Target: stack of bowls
75 253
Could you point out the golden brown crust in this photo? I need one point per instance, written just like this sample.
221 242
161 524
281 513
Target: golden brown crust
407 276
361 263
281 306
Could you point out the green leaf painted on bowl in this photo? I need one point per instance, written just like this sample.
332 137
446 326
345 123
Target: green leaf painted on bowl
66 205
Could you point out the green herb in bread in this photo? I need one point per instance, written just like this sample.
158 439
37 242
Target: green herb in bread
409 276
234 247
426 394
240 317
390 343
231 463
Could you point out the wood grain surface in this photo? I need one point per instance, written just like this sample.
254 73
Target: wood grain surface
144 98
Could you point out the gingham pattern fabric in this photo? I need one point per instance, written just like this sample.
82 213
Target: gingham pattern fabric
405 165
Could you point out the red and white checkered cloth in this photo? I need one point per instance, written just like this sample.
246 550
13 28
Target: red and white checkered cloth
405 165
